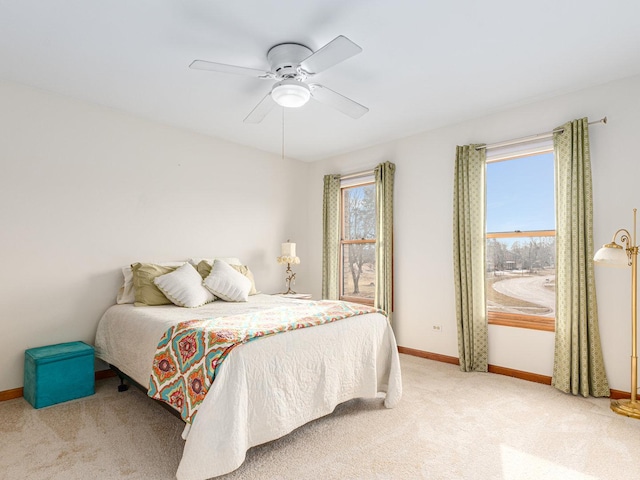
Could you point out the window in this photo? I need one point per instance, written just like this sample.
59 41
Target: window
358 241
520 239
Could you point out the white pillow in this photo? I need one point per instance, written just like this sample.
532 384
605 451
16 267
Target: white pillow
184 287
227 283
127 294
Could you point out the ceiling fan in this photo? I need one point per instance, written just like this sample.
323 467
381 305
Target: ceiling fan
292 65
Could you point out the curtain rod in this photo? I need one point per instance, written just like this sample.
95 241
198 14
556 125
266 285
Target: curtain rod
356 175
530 138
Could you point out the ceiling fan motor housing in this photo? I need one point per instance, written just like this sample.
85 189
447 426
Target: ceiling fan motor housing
285 58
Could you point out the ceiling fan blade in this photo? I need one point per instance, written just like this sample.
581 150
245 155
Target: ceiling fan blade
334 52
337 101
261 110
234 69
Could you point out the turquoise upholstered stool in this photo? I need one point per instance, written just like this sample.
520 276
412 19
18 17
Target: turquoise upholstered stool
57 373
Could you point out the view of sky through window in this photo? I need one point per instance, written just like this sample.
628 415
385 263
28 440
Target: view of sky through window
520 268
508 209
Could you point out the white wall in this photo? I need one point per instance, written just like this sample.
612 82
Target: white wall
85 190
423 222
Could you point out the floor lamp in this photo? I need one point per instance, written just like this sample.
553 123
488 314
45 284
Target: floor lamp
616 255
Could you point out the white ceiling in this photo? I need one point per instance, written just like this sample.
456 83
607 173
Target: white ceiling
424 64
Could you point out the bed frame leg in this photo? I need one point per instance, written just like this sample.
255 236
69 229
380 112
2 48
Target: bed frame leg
122 387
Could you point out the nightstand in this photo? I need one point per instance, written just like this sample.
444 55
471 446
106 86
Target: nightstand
297 296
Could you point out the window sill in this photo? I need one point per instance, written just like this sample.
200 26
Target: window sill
363 301
531 322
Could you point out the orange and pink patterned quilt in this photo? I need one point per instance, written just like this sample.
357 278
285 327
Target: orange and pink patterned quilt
189 354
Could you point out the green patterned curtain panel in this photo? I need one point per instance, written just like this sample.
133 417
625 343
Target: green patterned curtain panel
468 257
331 237
384 174
578 365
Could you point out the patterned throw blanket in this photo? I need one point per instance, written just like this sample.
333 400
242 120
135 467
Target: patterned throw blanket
190 353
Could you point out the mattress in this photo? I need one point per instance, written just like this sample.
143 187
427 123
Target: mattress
265 388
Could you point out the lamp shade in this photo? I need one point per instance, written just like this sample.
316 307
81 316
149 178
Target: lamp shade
611 255
288 254
288 249
290 93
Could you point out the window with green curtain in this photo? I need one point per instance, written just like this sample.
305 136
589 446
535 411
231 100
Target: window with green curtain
334 236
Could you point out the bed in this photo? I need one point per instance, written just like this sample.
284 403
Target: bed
265 388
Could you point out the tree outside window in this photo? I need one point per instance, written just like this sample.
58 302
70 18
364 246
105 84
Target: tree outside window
358 243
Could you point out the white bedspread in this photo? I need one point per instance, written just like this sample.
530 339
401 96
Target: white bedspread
265 388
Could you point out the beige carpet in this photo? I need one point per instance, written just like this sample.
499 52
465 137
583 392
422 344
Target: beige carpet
449 425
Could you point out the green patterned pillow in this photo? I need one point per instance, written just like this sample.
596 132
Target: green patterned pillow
204 269
146 292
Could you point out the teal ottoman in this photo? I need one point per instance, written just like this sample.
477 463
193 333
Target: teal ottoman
57 373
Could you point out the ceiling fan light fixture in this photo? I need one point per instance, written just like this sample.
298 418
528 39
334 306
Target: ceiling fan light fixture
290 93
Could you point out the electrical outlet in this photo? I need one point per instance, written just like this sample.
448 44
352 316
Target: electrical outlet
437 328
